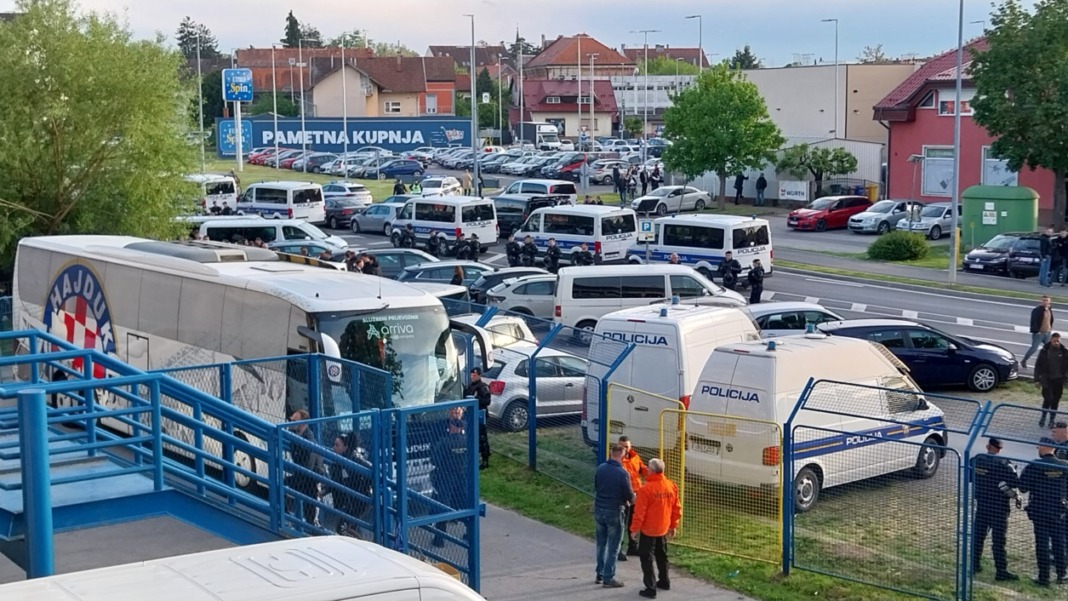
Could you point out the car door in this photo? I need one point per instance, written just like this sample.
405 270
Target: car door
940 363
548 387
536 297
895 340
371 219
573 375
784 323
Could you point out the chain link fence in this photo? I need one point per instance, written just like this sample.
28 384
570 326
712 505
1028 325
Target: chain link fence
7 347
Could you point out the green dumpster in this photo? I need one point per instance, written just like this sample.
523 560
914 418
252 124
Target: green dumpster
991 210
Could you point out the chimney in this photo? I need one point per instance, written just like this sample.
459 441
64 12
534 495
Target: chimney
543 40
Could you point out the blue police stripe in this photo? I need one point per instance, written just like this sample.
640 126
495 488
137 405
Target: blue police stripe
890 433
684 258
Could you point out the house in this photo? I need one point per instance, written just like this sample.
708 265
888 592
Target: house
494 59
279 69
920 113
560 59
691 56
554 101
392 86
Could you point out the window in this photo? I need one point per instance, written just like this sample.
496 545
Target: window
294 233
996 171
618 224
272 196
571 367
307 195
543 368
537 289
748 237
595 288
393 107
564 188
683 286
431 104
552 100
529 188
928 341
928 101
575 225
689 235
533 224
216 188
493 372
478 212
888 338
945 107
791 320
405 212
937 171
434 212
643 286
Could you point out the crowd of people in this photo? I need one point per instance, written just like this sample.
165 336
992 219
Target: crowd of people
627 181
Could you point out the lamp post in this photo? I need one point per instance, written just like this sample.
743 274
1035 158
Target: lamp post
645 123
700 43
678 84
474 113
274 84
303 132
954 254
200 106
981 22
836 90
578 94
344 108
593 122
500 103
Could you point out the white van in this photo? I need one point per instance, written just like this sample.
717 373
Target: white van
284 200
702 240
586 294
609 231
449 216
544 187
215 191
748 380
317 568
236 229
672 343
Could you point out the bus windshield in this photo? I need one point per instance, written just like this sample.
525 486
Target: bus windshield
414 345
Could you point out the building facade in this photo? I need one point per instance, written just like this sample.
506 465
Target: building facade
557 102
385 87
561 58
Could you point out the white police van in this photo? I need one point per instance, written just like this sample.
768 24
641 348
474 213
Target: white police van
284 200
608 231
701 241
215 191
449 216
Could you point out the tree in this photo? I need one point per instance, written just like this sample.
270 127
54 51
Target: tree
663 65
392 49
105 154
744 59
487 113
633 126
353 38
484 83
803 160
520 45
187 37
1021 93
310 36
293 32
264 105
721 125
873 55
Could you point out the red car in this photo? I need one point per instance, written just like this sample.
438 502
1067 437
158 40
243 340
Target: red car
287 163
827 213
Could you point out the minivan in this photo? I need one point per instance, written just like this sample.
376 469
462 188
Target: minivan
284 200
450 216
236 229
513 209
215 190
543 187
608 231
701 241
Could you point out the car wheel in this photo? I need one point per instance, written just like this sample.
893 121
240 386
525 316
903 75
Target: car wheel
607 180
928 459
246 462
883 228
661 209
417 174
396 240
983 378
387 229
821 225
806 490
355 226
333 223
584 332
699 205
935 233
515 416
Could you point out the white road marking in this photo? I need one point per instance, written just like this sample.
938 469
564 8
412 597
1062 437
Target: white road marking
859 308
910 314
812 299
964 321
766 295
1021 329
833 282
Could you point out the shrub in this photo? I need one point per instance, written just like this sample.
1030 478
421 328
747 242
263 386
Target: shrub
899 246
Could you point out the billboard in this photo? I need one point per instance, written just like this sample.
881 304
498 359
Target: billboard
325 133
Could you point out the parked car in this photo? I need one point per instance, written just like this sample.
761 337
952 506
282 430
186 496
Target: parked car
1017 255
826 213
287 162
935 219
601 171
314 248
256 153
934 358
378 217
528 295
789 318
671 199
883 216
560 384
349 190
505 330
513 209
442 272
395 168
272 160
488 280
655 147
339 212
440 186
393 261
312 161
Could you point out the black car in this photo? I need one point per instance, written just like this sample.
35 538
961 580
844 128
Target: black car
513 209
393 261
934 358
491 279
339 212
1015 254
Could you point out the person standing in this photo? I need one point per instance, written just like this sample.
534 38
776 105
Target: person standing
480 391
552 256
584 174
761 186
512 249
465 182
1047 482
1051 367
398 187
729 269
636 469
655 178
407 238
302 455
617 182
1041 327
583 257
739 183
673 259
644 178
530 252
462 248
1046 257
995 485
1056 242
756 282
433 244
354 483
657 511
449 477
1062 251
612 492
1059 434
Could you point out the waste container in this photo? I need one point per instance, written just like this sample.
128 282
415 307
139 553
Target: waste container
858 191
987 211
873 192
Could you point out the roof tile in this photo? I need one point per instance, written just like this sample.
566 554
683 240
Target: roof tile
940 68
564 51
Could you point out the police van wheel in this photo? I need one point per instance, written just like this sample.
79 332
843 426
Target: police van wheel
515 416
395 239
928 459
246 462
983 378
806 490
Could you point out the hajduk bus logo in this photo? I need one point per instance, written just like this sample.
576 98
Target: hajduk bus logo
77 311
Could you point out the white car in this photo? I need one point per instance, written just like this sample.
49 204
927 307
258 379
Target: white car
560 384
567 145
528 295
789 318
349 190
440 186
671 199
505 330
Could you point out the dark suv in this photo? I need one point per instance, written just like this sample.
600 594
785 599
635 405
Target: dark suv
1015 254
513 209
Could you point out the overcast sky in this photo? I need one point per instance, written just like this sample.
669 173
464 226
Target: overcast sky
777 30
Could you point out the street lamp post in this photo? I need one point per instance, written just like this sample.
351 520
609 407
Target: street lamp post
274 84
678 83
836 90
954 254
645 123
700 43
474 113
593 122
578 94
500 103
200 106
344 109
303 131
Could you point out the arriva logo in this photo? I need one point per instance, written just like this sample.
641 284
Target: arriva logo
638 338
748 396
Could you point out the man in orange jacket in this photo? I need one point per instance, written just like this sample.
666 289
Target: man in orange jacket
636 469
656 516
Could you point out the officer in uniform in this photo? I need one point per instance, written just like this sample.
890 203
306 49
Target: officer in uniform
512 249
584 256
480 391
530 252
1059 433
407 239
729 269
995 485
1047 482
552 256
462 248
433 244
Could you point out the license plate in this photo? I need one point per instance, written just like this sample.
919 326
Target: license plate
977 266
615 427
1028 260
708 447
791 221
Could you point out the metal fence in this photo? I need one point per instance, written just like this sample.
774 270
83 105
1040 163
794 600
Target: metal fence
6 323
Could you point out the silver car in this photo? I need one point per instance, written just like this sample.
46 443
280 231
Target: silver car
882 216
560 384
789 318
528 295
377 218
934 220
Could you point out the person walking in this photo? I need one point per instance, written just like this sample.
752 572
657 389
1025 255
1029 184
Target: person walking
729 269
1046 258
761 186
756 282
1051 367
1046 480
449 477
465 182
657 511
399 188
636 469
739 183
480 391
1041 327
512 249
612 492
995 485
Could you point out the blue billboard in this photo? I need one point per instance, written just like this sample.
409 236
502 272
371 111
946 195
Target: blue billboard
237 85
326 133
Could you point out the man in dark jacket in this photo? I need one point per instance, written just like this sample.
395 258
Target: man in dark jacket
449 478
1047 482
761 186
612 494
644 178
729 269
1041 328
995 487
462 248
480 391
739 183
583 256
433 244
552 256
756 282
1046 254
398 188
620 186
407 237
303 455
512 249
1050 371
530 252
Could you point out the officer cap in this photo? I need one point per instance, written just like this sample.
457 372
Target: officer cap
476 370
994 442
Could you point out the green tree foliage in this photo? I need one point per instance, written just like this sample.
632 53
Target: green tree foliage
484 83
310 36
292 33
665 66
873 55
188 32
721 125
488 114
802 161
633 126
392 49
520 45
264 105
354 38
744 59
1022 90
899 245
91 148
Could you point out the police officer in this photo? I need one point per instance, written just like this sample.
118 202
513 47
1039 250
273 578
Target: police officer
552 256
512 249
584 256
407 239
463 248
480 391
1047 482
729 269
756 282
433 244
995 485
530 252
1059 433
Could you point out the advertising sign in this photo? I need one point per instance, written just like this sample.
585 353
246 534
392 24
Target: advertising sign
227 138
237 85
325 134
793 191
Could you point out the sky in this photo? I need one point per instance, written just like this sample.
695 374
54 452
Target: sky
777 30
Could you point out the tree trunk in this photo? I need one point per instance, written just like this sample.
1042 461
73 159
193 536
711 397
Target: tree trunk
721 198
1060 197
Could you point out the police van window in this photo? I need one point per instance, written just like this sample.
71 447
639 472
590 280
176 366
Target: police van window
271 196
290 232
574 225
431 212
592 288
904 401
533 224
691 235
537 289
216 188
618 224
888 338
643 286
683 286
746 237
477 212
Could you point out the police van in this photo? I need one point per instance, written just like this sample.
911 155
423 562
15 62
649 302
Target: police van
608 231
284 200
763 381
215 191
672 342
449 216
701 241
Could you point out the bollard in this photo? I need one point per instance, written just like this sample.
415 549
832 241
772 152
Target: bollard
36 483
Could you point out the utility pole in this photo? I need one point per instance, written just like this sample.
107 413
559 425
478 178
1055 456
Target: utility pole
700 43
475 146
645 124
837 91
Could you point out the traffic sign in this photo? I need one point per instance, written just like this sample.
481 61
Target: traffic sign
645 230
237 85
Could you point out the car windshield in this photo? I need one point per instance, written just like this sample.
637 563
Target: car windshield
821 205
431 183
661 192
883 206
414 346
1001 242
932 211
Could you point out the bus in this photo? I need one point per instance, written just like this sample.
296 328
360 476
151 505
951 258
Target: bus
162 305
